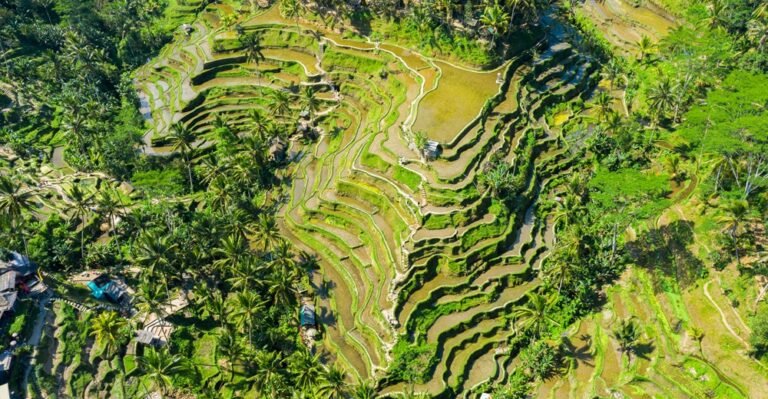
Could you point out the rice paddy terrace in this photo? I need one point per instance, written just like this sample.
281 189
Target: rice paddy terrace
409 249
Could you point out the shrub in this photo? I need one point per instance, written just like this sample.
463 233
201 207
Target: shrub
166 182
540 360
759 338
517 387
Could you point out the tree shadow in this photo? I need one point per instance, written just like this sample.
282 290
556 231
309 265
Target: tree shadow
578 354
326 317
323 290
644 349
665 250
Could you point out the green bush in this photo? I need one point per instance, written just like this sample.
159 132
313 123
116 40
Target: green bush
167 182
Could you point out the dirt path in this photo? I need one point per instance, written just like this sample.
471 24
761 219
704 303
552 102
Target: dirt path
34 338
722 314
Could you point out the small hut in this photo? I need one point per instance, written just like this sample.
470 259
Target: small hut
307 316
431 150
102 287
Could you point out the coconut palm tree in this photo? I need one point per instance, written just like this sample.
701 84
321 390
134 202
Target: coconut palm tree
160 367
15 201
627 333
733 221
109 204
333 384
150 298
280 285
306 369
269 379
661 98
612 71
559 270
311 103
216 307
81 207
108 328
246 307
229 347
534 315
281 104
154 252
495 19
259 121
252 46
232 250
645 47
266 232
291 9
183 141
603 103
364 389
246 274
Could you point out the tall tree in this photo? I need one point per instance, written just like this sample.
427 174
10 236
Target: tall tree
333 385
160 367
183 141
15 201
109 328
82 201
534 314
627 334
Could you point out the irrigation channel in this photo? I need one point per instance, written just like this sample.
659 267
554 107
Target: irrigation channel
408 249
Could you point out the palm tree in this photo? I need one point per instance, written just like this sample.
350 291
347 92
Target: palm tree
216 307
645 47
718 13
150 298
612 71
306 369
108 328
603 102
15 201
281 104
246 274
81 208
109 204
311 103
559 270
252 45
736 213
281 288
291 9
156 255
183 140
269 377
364 390
627 333
495 19
661 98
232 250
160 366
266 231
259 122
230 348
333 384
246 307
534 314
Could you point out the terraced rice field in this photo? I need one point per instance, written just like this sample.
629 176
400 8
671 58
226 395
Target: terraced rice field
671 363
406 247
